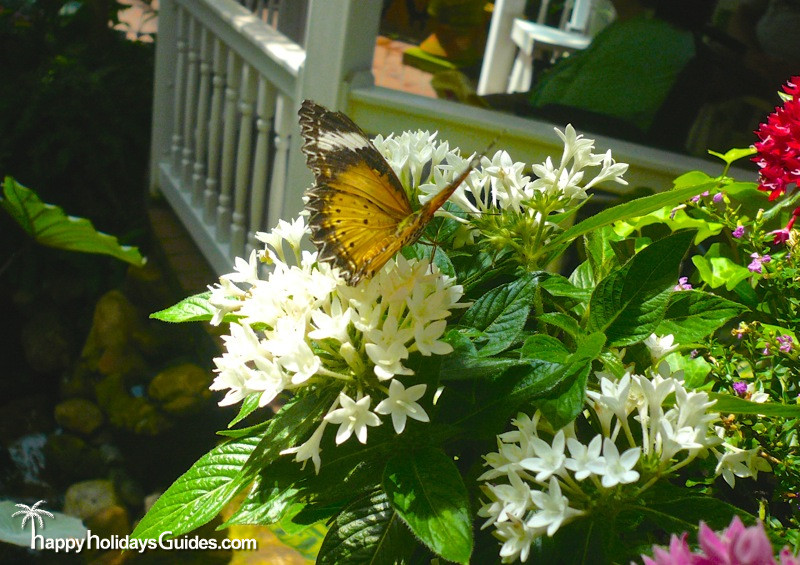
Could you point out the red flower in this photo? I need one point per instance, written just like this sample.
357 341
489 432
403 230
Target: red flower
779 144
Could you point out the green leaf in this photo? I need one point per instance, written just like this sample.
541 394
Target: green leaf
544 348
632 209
367 531
60 527
465 362
426 490
501 313
692 178
716 270
289 426
249 405
729 404
561 321
567 401
733 155
271 495
556 285
630 302
201 492
674 220
50 226
191 309
692 315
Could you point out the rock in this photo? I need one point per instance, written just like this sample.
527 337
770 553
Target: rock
88 498
137 415
69 458
114 324
45 342
121 359
181 389
79 415
108 521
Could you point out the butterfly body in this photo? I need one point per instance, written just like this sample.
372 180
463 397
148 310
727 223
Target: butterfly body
360 214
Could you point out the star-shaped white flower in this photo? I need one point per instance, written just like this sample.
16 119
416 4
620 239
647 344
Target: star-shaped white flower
353 416
554 509
586 459
660 346
402 404
549 458
619 468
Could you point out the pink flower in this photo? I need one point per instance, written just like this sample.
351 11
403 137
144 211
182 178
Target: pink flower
782 235
738 232
736 545
683 284
778 147
758 260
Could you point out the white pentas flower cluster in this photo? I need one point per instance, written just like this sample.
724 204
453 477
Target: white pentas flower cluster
301 326
540 479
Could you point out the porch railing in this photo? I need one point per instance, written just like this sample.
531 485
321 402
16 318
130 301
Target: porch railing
226 146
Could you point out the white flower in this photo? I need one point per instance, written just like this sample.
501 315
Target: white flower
586 459
742 463
549 458
517 538
756 396
309 450
402 403
353 416
426 338
507 502
619 468
660 346
554 509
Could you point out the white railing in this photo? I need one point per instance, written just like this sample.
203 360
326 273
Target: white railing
226 148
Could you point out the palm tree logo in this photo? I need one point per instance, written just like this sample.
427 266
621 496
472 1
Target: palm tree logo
35 514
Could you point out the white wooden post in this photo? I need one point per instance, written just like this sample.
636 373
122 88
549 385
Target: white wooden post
228 152
243 159
340 43
265 110
190 109
215 135
285 134
201 131
180 85
500 50
164 89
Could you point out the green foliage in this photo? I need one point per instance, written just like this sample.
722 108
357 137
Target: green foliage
48 225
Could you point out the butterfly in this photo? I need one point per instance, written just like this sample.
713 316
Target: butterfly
359 213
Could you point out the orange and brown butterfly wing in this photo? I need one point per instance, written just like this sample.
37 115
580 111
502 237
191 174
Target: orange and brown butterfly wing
357 202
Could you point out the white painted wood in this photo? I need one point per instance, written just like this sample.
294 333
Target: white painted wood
201 127
163 91
211 195
379 110
244 154
265 110
234 74
180 78
285 123
190 104
500 50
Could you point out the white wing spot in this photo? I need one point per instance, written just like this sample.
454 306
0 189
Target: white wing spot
332 140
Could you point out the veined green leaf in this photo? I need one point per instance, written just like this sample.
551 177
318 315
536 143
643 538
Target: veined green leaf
201 492
426 490
716 270
692 315
191 309
733 155
632 209
50 226
367 531
630 302
501 313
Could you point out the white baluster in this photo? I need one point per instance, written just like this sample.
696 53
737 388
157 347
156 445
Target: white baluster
265 110
215 134
284 123
244 157
201 131
228 147
177 115
190 107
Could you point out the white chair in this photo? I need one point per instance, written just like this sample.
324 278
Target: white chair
508 65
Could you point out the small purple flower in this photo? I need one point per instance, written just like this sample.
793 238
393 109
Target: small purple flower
781 236
718 197
696 199
738 232
758 260
693 353
683 284
765 351
740 388
786 343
